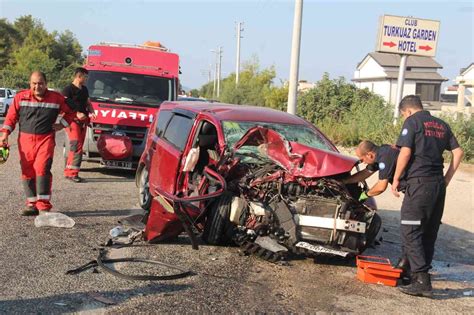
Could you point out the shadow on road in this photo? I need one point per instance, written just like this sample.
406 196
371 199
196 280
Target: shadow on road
84 301
453 244
449 294
110 175
99 213
107 180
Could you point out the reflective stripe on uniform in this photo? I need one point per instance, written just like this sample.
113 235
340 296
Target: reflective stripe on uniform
39 104
44 197
7 128
31 199
410 222
64 122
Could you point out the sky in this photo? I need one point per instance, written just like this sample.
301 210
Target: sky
336 35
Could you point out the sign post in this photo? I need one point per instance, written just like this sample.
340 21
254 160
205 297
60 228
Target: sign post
406 36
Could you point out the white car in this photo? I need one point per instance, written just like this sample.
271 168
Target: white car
6 99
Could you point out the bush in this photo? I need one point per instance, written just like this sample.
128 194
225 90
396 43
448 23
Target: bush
463 129
347 114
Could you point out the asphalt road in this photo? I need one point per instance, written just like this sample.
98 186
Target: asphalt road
34 262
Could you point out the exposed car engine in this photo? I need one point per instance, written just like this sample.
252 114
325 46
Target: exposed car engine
272 214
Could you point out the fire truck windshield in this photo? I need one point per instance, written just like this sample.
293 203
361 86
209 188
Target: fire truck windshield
139 89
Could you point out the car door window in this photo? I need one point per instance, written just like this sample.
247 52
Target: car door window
163 119
178 130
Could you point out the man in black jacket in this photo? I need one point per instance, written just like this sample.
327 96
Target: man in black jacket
422 141
77 97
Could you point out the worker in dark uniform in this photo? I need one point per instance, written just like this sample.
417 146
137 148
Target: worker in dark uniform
378 158
422 141
384 160
77 97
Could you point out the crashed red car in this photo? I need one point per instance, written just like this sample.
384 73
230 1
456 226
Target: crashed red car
263 179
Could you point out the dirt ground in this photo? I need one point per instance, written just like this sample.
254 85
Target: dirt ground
34 260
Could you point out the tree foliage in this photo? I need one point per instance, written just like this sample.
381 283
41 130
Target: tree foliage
348 114
255 87
25 46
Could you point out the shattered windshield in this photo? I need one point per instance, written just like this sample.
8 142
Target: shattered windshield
234 131
128 88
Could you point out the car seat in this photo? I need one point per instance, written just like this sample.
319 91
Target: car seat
207 139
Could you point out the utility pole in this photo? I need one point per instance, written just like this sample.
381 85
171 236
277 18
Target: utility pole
237 61
214 89
210 73
219 67
295 57
400 83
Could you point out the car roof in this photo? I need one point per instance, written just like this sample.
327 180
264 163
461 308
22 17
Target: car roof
189 98
223 111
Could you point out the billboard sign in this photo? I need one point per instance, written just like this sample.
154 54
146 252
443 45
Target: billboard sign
408 36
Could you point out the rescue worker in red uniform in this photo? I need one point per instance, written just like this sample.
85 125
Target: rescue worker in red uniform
36 111
77 97
422 141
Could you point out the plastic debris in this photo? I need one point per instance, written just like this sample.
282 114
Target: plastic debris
54 219
60 304
117 231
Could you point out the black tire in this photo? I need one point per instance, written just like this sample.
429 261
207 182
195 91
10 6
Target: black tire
144 196
217 230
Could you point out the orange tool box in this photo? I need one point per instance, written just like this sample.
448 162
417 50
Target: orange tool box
373 269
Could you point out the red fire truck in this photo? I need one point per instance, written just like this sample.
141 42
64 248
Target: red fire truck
127 84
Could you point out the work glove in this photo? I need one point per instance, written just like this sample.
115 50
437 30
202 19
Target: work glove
4 152
363 196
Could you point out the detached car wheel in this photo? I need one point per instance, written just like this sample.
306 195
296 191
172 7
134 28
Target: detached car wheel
144 197
218 228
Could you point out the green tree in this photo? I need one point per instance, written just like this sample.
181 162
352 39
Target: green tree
32 47
329 99
26 60
253 88
277 98
9 41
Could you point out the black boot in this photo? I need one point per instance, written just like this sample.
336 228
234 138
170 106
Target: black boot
420 285
404 265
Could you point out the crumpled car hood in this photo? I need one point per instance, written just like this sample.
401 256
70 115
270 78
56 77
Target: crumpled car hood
297 159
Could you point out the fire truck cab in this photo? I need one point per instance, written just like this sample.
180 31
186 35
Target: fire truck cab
127 84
